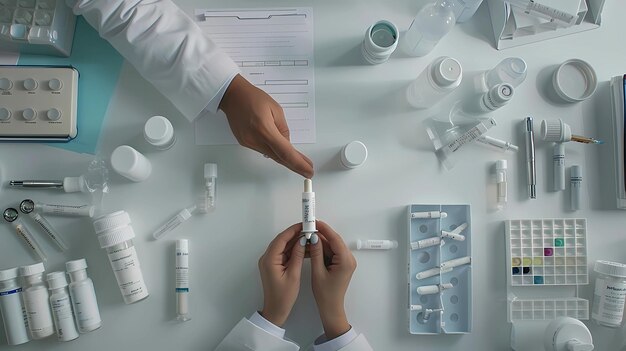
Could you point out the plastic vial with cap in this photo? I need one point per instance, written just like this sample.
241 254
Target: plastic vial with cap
115 234
130 163
210 184
61 307
159 132
498 96
28 207
83 294
36 301
431 24
440 78
381 40
511 70
182 280
353 154
12 308
609 296
501 167
576 179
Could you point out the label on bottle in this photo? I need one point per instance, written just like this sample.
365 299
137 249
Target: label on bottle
13 316
85 304
127 271
182 271
63 318
38 310
308 212
608 302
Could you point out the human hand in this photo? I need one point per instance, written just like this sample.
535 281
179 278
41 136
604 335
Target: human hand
280 268
332 265
258 123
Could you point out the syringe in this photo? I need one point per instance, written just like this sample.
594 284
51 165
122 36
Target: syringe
533 8
28 207
11 215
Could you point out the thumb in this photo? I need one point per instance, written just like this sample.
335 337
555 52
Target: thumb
295 261
316 252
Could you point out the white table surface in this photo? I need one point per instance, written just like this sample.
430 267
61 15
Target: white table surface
257 198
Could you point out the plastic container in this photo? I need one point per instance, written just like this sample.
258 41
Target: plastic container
381 40
83 296
610 294
130 163
36 301
511 70
159 132
431 24
498 96
353 154
574 81
439 79
115 234
11 307
61 307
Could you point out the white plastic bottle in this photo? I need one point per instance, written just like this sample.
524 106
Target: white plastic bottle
83 297
61 307
609 296
116 236
159 132
11 307
36 301
440 78
511 70
431 24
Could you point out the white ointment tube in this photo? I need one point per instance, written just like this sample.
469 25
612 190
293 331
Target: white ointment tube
429 214
424 243
444 267
308 209
182 280
558 158
433 289
376 244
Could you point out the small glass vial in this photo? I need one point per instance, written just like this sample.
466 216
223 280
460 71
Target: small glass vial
159 132
210 186
511 70
115 234
610 294
12 308
61 307
381 40
439 79
498 96
130 163
83 296
36 301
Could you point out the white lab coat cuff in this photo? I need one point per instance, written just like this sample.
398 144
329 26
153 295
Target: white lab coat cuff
214 104
266 325
321 344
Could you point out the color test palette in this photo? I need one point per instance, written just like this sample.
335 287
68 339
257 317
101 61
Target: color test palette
548 252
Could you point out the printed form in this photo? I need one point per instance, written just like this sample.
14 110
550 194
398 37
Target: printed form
274 50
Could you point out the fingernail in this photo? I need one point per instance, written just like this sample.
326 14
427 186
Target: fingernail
314 239
303 241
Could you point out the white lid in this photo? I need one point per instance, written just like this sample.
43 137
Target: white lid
575 80
76 265
575 171
115 236
501 94
210 170
9 274
56 280
158 130
555 130
111 221
124 159
32 269
615 269
182 244
500 164
354 154
447 71
73 184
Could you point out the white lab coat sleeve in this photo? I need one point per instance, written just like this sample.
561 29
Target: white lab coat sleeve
165 46
358 344
351 341
247 336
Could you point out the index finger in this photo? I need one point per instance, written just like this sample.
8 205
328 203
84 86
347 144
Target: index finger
278 245
280 144
334 239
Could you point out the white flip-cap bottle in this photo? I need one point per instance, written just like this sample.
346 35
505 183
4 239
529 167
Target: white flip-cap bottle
11 307
83 296
36 301
61 307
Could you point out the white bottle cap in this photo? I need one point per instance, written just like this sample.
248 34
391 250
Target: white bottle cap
447 72
56 280
182 244
381 40
130 163
115 236
158 131
501 165
210 170
575 172
575 80
555 130
32 269
610 268
111 221
499 95
9 274
354 154
76 265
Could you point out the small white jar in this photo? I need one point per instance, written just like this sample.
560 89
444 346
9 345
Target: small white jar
159 132
353 155
381 40
609 295
130 163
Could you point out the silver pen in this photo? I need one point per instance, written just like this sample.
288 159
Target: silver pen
49 184
530 158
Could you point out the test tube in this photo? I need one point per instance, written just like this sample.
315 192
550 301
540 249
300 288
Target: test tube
12 216
210 183
28 207
65 210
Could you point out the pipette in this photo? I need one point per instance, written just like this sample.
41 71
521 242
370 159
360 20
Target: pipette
556 16
12 216
28 207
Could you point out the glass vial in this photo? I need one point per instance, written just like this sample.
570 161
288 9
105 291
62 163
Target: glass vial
36 301
61 307
381 40
115 234
83 296
159 132
182 280
431 24
511 70
440 78
12 308
610 294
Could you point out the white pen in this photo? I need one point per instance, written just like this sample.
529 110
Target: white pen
497 143
429 214
530 157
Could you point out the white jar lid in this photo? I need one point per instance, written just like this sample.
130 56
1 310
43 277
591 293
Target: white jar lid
210 170
615 269
56 280
32 269
111 221
158 131
354 154
447 72
501 164
9 274
575 80
76 265
116 236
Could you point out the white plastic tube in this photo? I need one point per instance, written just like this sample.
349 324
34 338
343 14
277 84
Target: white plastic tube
173 222
576 179
498 144
424 243
433 289
501 184
308 209
182 280
376 244
66 210
49 229
429 214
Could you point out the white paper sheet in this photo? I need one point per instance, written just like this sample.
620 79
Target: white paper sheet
274 49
